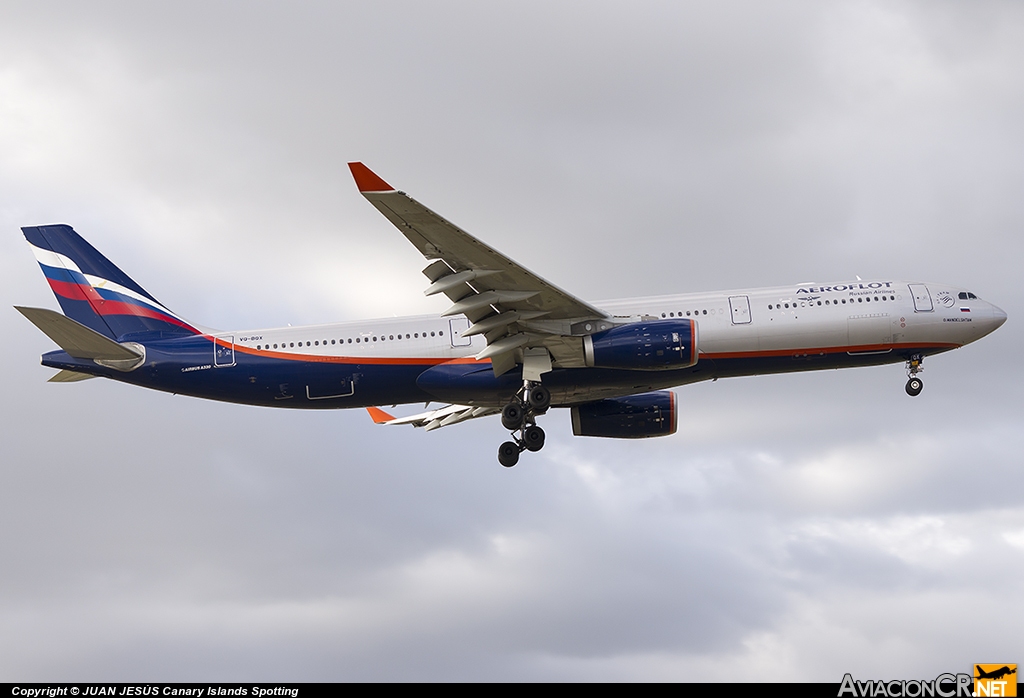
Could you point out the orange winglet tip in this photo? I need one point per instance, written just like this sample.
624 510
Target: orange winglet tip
366 180
378 415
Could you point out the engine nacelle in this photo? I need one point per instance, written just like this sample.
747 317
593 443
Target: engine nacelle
647 346
632 417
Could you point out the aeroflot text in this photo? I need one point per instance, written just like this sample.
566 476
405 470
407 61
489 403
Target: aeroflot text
943 686
54 692
846 287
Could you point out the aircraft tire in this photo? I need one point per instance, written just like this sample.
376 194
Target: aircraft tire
540 398
533 438
508 454
512 416
914 387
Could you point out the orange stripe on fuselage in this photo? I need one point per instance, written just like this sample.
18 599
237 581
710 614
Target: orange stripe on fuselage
803 351
376 360
435 361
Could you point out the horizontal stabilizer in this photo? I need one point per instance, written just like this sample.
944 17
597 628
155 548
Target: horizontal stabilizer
76 339
70 377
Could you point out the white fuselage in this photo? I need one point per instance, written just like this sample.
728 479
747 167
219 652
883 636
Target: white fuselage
856 317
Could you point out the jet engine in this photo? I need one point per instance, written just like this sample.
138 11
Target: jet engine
646 346
632 417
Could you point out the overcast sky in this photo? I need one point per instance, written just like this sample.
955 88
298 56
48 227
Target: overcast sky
795 528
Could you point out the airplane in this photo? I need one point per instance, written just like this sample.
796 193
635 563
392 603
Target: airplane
511 343
995 674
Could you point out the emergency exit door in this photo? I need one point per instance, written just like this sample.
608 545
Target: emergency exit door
456 326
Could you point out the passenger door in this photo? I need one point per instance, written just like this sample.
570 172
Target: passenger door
224 351
922 299
739 306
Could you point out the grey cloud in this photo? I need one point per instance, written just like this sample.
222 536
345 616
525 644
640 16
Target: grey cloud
804 525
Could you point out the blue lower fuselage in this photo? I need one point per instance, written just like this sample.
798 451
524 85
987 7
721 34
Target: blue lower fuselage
190 366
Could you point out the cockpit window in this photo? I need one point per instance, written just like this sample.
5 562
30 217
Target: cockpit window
972 296
962 295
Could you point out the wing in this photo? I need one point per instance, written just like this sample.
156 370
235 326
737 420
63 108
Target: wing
516 310
433 419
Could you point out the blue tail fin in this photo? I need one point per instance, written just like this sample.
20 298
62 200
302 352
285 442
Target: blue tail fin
94 292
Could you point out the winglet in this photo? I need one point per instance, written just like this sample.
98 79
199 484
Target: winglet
378 415
366 180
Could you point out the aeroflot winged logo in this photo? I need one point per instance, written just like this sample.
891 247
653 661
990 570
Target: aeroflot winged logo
989 680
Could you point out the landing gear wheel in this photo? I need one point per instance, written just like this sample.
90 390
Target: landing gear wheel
512 416
914 387
508 454
540 398
533 438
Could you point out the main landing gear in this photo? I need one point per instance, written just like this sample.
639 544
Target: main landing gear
914 385
520 416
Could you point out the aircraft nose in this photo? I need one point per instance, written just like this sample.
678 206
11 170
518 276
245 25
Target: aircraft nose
998 316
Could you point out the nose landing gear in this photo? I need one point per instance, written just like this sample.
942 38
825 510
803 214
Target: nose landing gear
914 384
520 415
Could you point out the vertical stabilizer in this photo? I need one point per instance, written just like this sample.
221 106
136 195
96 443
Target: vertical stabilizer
92 291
